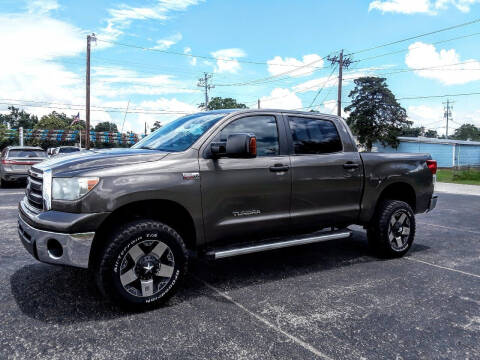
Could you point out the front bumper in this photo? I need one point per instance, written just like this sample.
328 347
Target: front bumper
433 202
56 248
57 237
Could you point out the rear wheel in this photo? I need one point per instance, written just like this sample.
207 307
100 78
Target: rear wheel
392 230
143 264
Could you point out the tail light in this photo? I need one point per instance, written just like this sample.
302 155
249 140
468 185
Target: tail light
432 165
15 162
252 146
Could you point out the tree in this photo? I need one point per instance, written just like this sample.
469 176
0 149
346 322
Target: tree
3 133
54 121
431 134
18 118
375 114
467 132
106 126
413 131
216 103
156 125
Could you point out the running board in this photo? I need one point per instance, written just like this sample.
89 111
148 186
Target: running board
305 239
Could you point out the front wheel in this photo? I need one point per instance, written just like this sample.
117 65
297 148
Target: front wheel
392 229
142 265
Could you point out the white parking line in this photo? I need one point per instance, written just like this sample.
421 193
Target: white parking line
449 228
7 207
442 267
12 193
266 322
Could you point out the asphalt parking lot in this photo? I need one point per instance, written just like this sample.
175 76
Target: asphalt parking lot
328 300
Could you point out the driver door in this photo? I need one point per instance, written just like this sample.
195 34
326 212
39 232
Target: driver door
247 199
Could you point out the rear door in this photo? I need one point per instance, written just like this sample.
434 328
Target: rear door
326 175
244 199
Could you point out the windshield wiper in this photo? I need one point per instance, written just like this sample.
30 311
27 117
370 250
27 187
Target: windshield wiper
147 147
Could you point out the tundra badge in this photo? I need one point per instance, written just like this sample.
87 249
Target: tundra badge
191 176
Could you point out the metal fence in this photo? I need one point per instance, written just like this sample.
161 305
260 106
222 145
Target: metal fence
448 153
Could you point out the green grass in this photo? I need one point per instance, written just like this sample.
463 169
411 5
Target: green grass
471 177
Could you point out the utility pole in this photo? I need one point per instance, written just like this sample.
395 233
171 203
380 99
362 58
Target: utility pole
342 63
447 115
258 103
125 116
87 100
203 82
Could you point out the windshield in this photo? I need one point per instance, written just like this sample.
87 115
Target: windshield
27 153
179 134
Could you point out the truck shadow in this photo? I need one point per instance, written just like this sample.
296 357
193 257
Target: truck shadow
63 295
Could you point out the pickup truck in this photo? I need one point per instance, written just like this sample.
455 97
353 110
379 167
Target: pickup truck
217 184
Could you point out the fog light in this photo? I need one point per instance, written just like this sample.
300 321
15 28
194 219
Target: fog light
55 249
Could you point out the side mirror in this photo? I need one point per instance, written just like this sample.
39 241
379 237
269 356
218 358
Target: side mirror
236 146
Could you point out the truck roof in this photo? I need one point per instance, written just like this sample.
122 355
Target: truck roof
298 112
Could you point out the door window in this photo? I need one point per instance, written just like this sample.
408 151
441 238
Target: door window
263 127
314 136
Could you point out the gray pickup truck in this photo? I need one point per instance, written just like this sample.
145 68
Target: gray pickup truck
217 184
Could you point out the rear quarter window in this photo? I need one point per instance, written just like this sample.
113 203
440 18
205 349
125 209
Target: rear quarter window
314 136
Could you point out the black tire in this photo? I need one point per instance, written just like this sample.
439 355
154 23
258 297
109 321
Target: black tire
387 233
3 183
139 239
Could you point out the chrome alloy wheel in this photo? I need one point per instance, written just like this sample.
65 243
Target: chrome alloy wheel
399 230
147 268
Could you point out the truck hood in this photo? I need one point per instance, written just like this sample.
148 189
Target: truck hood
98 159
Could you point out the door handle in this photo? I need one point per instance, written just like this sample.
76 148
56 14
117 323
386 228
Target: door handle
350 165
279 167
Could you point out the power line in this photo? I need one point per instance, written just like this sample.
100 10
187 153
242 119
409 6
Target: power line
197 56
66 104
269 78
323 86
416 36
416 47
113 110
437 96
428 68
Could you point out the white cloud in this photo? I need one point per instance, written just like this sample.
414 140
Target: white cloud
41 7
421 55
193 60
137 123
29 71
281 98
278 65
431 117
401 6
164 44
226 60
122 16
419 6
462 5
112 82
332 81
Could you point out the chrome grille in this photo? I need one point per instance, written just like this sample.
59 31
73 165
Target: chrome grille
34 189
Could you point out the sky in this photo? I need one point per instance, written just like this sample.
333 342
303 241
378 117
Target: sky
150 54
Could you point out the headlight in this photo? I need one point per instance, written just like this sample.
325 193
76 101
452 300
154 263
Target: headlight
72 188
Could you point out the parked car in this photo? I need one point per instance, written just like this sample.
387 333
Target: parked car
17 160
62 150
220 183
